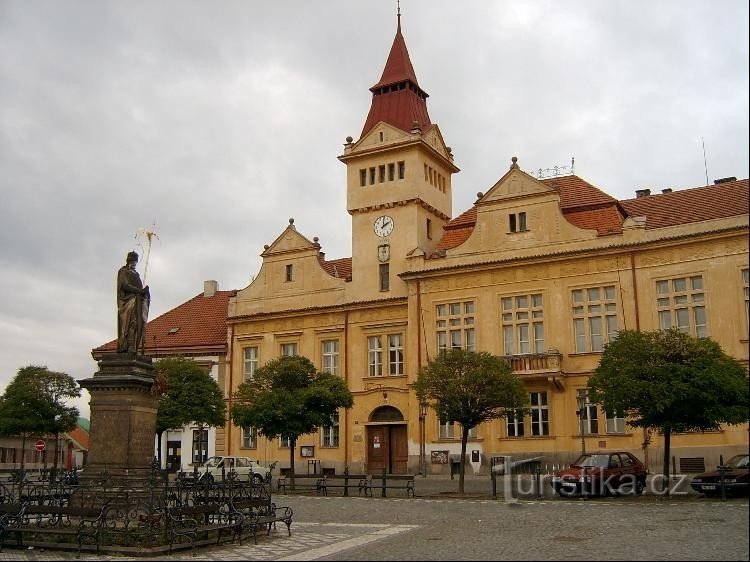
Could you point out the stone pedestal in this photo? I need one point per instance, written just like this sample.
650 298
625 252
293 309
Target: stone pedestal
123 416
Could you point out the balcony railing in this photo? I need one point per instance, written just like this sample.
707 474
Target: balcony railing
532 363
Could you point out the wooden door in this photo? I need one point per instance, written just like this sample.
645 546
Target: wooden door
399 449
174 456
377 449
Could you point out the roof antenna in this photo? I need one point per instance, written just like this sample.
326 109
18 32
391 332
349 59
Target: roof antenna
705 165
398 12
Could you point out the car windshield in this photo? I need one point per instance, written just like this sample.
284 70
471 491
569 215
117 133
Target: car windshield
739 461
592 460
213 462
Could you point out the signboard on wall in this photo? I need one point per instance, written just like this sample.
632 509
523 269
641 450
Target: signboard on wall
439 457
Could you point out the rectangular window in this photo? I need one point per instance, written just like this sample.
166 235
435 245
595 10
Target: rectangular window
594 317
289 272
401 170
521 222
391 172
396 354
249 438
200 446
615 422
285 442
522 319
746 294
330 433
288 349
589 417
429 229
372 176
251 363
330 353
381 173
681 304
473 432
363 177
447 430
384 274
426 173
375 356
514 424
539 413
455 326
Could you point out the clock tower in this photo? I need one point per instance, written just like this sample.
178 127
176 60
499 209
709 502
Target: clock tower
398 180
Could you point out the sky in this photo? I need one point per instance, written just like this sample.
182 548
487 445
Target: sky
213 123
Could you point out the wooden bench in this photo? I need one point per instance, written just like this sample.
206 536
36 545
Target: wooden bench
391 482
345 482
81 522
256 513
190 522
301 483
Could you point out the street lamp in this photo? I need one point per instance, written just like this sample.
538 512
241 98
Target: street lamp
580 412
422 438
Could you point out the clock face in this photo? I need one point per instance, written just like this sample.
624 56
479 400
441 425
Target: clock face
383 226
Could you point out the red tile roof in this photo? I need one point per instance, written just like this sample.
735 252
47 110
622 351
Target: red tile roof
80 436
397 98
691 205
196 326
341 267
577 192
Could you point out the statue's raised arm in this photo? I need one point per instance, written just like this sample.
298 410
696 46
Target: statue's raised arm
132 307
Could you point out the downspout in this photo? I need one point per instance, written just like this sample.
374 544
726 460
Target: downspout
346 380
422 431
646 436
230 354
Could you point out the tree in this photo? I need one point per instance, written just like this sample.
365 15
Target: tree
34 403
187 394
288 397
470 388
669 381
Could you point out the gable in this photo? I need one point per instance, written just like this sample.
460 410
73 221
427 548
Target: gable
516 183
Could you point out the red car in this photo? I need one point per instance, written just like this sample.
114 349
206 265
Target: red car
601 474
735 478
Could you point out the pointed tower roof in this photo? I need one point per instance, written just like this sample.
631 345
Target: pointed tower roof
397 98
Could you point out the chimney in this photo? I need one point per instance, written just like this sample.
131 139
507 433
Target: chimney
667 190
642 192
210 287
724 180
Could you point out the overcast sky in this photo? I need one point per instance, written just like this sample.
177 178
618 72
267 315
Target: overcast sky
218 121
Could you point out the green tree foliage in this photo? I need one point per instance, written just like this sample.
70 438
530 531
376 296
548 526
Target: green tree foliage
287 398
187 395
35 404
470 388
669 381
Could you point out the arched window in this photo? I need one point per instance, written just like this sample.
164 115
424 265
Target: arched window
386 414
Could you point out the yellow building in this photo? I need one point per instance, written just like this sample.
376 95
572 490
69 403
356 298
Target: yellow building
543 271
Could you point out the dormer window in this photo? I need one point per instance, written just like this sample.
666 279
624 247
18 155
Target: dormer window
517 222
289 272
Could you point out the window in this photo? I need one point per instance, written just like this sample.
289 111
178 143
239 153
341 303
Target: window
288 349
375 356
401 170
447 430
200 446
395 354
615 422
384 274
514 424
745 290
330 352
589 417
594 317
455 326
391 172
330 433
251 363
372 176
285 442
426 173
381 173
681 305
472 433
363 177
523 324
429 229
539 414
289 272
517 222
249 438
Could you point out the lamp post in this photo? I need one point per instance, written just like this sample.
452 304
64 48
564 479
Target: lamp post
581 398
422 437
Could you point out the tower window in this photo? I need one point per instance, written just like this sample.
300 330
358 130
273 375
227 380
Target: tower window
290 272
381 136
401 170
363 177
381 173
372 176
429 229
391 172
384 277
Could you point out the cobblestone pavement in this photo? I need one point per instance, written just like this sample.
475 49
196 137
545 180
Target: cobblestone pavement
626 528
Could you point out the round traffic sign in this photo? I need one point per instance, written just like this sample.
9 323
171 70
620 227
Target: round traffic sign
40 445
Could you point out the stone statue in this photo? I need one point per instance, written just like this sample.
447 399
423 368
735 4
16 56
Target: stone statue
133 300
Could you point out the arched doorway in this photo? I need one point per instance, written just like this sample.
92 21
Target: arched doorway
387 445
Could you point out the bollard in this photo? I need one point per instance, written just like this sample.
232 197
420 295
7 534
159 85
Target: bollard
493 478
382 493
346 481
538 471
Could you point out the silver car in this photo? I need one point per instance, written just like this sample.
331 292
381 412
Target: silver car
219 466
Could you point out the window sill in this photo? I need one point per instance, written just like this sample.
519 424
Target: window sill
383 377
330 446
584 353
532 437
457 440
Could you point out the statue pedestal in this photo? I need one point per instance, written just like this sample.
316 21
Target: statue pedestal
123 416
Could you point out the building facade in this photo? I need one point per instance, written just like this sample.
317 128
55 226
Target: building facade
541 271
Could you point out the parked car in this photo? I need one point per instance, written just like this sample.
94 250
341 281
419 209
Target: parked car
601 474
219 466
735 478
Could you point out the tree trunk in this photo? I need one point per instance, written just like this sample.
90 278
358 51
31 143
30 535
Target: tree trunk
464 438
158 445
23 451
54 463
292 445
667 439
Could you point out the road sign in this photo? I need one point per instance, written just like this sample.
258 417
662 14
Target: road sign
40 445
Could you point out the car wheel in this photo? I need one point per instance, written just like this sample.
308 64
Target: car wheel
207 478
640 485
257 479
